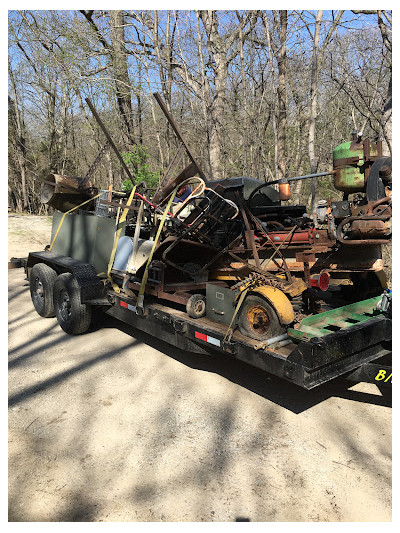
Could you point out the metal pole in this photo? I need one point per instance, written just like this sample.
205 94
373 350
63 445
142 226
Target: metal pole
174 126
100 123
312 176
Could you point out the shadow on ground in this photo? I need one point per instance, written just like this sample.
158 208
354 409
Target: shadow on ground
276 390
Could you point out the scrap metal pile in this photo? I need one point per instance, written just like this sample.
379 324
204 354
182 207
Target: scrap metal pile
194 238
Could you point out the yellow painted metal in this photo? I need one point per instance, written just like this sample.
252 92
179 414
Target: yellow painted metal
224 276
279 301
295 288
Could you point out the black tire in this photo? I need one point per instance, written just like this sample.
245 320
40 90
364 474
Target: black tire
196 306
258 319
41 284
73 316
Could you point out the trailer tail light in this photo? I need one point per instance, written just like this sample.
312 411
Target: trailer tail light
320 281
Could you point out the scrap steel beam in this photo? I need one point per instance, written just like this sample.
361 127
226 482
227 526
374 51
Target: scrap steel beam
174 126
108 137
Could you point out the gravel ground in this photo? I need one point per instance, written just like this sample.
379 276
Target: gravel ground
116 425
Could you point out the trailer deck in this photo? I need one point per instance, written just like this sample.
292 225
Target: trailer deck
308 363
308 356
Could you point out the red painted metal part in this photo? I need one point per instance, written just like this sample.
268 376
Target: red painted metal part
298 237
320 281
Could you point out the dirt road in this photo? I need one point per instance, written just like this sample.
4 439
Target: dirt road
115 425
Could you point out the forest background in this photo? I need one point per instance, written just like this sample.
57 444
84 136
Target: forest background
264 94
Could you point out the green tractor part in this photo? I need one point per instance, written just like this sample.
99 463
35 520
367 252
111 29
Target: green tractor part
351 162
336 319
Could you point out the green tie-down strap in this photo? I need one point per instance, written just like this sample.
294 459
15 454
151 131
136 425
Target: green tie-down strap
335 320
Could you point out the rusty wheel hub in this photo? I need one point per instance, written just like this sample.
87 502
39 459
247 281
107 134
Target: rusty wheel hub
258 319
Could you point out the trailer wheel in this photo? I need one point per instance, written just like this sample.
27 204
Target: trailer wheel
258 320
73 316
41 283
196 306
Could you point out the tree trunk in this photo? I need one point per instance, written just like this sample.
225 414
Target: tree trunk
216 118
20 141
387 122
282 114
122 81
313 109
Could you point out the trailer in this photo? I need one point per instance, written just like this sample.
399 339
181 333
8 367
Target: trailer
222 267
354 342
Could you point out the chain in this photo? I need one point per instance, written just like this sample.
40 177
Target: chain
256 279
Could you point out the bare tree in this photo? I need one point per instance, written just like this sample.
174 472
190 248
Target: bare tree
19 137
317 53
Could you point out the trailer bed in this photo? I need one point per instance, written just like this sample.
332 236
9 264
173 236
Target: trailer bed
361 352
308 363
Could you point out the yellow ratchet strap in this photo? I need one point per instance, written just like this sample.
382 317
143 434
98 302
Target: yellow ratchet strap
117 236
140 297
65 214
238 306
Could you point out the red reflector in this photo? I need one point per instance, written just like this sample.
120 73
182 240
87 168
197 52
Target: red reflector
123 304
320 281
324 281
200 336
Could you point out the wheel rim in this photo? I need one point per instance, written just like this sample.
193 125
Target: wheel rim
199 307
65 306
258 319
38 292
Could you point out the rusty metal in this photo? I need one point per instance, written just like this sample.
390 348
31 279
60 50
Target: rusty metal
284 264
249 233
94 166
368 158
171 167
369 208
174 126
162 195
173 292
345 161
257 318
360 242
369 229
305 257
109 139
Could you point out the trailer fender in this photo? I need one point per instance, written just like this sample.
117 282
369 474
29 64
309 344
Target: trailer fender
91 286
279 301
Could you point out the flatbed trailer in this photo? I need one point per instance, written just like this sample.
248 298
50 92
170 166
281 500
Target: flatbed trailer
360 352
